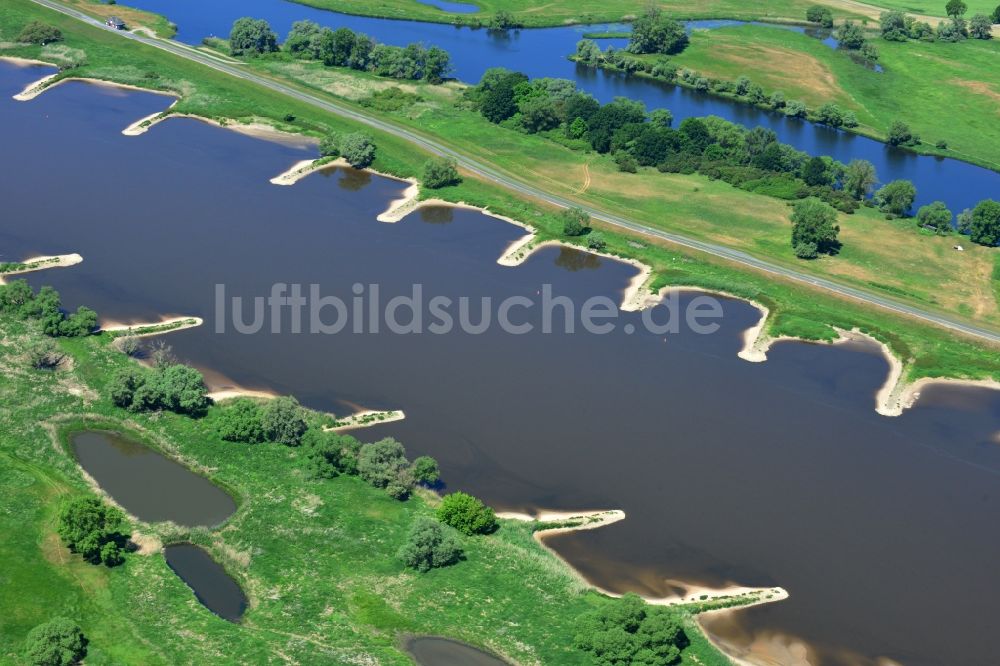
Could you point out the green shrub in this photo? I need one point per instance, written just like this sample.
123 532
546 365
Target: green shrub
467 514
39 33
429 545
629 631
94 530
58 642
283 421
440 172
425 470
239 420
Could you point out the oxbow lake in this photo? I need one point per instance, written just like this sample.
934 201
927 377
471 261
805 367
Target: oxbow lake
778 473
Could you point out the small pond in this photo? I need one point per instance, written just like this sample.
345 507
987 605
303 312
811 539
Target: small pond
149 485
436 651
214 588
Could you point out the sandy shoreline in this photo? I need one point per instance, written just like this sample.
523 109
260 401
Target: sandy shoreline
25 62
33 90
156 327
594 519
41 263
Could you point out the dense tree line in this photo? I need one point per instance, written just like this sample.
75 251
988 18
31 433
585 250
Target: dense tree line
751 159
172 387
896 26
19 299
742 89
94 530
341 48
630 631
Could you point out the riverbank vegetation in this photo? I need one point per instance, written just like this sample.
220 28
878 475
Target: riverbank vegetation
893 260
338 48
560 12
799 75
331 566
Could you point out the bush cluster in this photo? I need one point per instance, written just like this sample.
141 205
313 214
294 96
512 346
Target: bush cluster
341 48
18 298
58 642
172 387
94 530
629 631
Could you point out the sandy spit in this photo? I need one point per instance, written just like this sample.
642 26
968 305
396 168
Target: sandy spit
33 90
303 168
188 322
42 263
356 421
594 519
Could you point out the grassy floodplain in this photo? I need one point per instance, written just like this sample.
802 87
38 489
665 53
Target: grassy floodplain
943 91
317 558
562 12
927 272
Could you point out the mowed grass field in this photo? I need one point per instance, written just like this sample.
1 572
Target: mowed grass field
947 92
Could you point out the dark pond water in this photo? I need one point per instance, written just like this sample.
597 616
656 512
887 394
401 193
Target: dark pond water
214 588
778 473
150 486
434 651
542 52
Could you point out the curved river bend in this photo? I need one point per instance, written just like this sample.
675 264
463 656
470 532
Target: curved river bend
757 474
541 52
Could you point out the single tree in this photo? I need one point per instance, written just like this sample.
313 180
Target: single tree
814 223
576 222
983 225
981 27
820 14
440 172
58 642
859 178
895 198
425 470
251 36
935 216
430 545
467 514
956 8
358 149
283 421
383 464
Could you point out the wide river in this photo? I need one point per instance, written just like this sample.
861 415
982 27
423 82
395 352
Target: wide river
542 52
781 473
